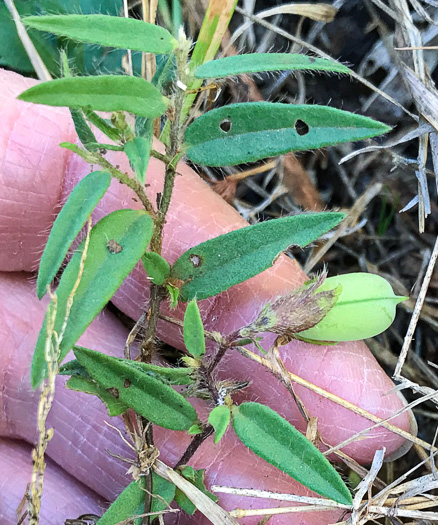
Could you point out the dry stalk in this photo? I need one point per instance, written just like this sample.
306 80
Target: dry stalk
216 514
338 400
414 319
37 63
52 353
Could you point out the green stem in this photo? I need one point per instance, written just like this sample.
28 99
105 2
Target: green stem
173 149
127 181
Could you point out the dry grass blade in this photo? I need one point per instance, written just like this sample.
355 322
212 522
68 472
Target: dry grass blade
39 66
339 401
52 353
216 514
365 485
321 54
318 12
416 313
415 133
265 494
357 209
426 97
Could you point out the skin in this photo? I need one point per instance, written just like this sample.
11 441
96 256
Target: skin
36 176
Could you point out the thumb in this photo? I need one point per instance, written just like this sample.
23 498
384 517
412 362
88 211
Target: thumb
196 214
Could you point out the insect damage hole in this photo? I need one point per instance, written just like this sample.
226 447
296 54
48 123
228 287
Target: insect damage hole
196 260
226 125
301 128
113 391
113 246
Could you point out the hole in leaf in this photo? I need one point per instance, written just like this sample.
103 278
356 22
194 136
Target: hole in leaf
113 391
311 60
113 246
127 383
301 128
196 260
226 125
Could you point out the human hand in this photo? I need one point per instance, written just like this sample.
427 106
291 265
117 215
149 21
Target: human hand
36 176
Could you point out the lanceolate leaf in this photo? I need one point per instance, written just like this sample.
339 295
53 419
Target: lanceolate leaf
116 244
258 62
68 224
276 441
193 330
156 267
216 265
138 151
365 308
197 478
100 93
171 376
109 31
251 131
130 501
100 123
83 130
148 396
113 405
165 490
219 419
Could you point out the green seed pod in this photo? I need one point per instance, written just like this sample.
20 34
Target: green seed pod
365 308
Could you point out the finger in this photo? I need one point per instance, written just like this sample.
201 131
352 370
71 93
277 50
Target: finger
64 497
81 438
197 214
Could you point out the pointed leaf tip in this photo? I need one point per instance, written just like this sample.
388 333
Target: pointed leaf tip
100 93
275 440
69 222
247 132
109 31
216 265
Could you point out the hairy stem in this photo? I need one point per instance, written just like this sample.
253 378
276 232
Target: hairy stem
173 149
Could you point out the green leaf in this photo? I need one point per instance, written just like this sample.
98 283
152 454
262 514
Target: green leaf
148 396
216 265
83 130
116 244
171 376
219 419
194 429
165 490
130 501
197 478
74 368
193 330
258 62
109 31
252 131
88 386
100 123
365 308
138 152
81 202
279 443
174 295
156 267
84 154
102 93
